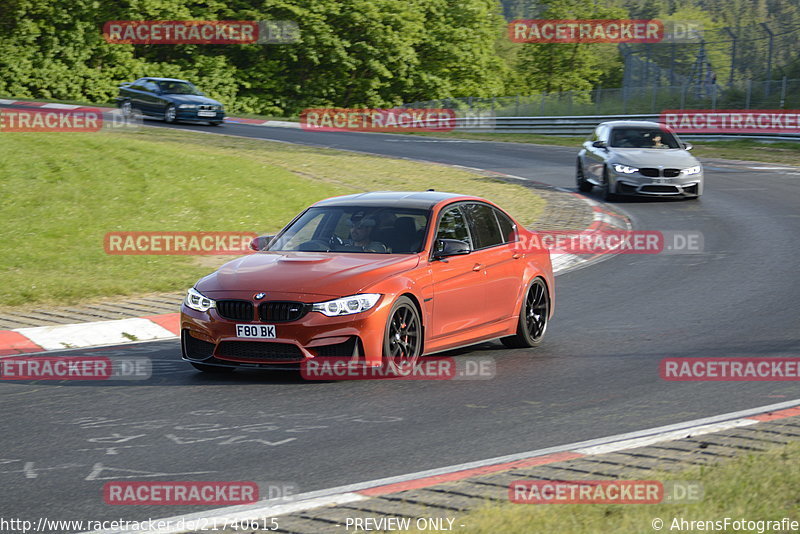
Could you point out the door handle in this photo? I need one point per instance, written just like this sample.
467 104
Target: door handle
478 267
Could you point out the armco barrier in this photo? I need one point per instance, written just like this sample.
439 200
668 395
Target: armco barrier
580 125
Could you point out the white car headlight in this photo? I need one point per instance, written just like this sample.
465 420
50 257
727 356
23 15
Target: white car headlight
197 301
691 170
187 106
347 305
625 169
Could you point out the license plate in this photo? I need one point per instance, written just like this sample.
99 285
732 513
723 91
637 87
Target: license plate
206 113
256 331
662 181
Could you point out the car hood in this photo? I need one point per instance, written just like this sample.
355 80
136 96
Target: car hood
648 157
308 273
191 99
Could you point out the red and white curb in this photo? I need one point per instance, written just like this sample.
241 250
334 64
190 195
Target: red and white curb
384 486
50 105
72 336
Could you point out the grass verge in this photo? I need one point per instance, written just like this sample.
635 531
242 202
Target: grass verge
62 192
740 149
757 487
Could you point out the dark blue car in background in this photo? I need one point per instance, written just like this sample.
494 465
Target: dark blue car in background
169 99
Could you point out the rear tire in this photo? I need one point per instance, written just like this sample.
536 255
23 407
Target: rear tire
212 369
580 179
533 317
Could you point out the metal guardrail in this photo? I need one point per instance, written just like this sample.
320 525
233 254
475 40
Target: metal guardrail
581 125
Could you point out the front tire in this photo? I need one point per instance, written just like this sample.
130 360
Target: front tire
402 338
580 179
533 317
170 114
607 193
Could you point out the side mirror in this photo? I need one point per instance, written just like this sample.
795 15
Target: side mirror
261 242
688 146
599 144
450 247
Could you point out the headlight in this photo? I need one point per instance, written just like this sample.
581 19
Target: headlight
691 170
625 169
347 305
197 301
187 106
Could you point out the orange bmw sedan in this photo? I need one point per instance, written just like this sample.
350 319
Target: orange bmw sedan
377 278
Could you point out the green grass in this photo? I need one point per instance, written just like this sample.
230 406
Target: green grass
784 152
60 193
755 487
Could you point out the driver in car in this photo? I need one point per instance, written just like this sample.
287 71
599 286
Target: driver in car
657 142
361 232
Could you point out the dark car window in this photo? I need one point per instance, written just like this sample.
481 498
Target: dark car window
371 229
138 85
178 88
642 137
507 226
453 225
483 224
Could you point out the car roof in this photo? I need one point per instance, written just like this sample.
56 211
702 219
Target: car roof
397 199
641 124
163 79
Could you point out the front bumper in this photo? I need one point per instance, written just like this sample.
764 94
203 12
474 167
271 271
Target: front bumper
194 115
638 185
210 339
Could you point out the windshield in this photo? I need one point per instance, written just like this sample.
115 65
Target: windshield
178 88
376 230
641 137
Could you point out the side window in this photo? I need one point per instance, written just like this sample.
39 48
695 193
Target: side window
483 224
452 225
151 87
507 227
